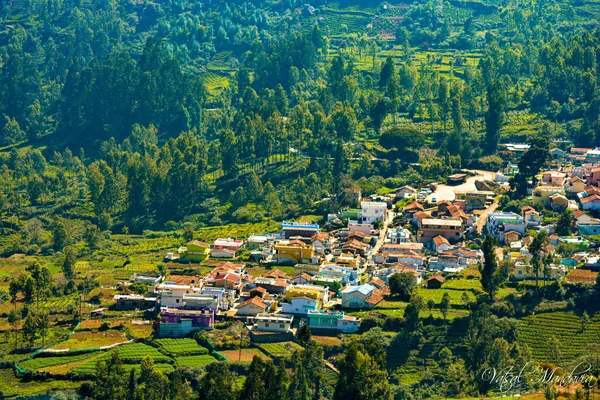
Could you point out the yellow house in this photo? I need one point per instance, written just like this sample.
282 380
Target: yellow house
316 292
294 251
542 193
194 251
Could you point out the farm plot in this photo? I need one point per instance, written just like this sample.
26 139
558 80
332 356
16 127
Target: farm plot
180 347
85 339
129 354
246 355
40 363
283 349
537 332
195 361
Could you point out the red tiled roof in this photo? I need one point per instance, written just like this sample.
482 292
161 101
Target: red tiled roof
440 240
254 301
437 277
589 199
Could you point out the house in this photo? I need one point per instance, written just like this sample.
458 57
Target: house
301 278
272 285
222 253
363 296
457 179
171 295
524 270
475 200
333 320
410 258
357 226
405 192
180 323
304 229
593 176
257 241
346 275
300 305
455 260
517 147
228 244
194 251
228 281
373 211
128 302
440 244
272 322
451 229
435 281
319 293
322 242
500 222
575 185
258 292
293 252
542 193
412 208
399 235
253 306
418 218
558 202
355 247
593 156
590 202
554 178
402 247
276 273
386 273
531 216
511 237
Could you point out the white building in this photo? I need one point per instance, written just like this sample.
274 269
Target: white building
373 211
272 322
299 305
345 274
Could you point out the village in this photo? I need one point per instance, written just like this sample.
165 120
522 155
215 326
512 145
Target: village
415 231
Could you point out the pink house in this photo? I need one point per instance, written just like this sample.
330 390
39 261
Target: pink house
227 244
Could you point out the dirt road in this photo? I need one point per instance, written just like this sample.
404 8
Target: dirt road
389 217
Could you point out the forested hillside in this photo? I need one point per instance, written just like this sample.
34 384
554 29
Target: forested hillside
129 128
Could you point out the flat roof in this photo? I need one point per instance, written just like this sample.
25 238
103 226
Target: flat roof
444 222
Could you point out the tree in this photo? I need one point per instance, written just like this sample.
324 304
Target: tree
254 384
59 234
30 329
304 335
445 304
217 382
402 139
188 232
132 385
494 116
361 378
387 71
69 263
492 275
146 368
92 236
111 379
156 387
537 248
555 349
11 133
565 223
534 158
402 284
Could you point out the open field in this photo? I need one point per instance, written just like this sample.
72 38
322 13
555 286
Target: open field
86 339
180 347
246 355
195 361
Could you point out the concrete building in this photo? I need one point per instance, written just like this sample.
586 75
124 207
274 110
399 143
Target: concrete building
334 320
373 211
180 323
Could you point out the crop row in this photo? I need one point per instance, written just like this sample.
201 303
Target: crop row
180 347
283 349
43 362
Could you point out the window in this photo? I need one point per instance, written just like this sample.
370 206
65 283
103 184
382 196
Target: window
267 325
281 326
177 301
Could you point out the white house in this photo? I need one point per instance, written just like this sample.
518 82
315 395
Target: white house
299 305
525 271
373 211
272 322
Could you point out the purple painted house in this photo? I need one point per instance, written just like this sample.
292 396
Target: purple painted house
179 323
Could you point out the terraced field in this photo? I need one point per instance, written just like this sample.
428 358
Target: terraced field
537 331
195 361
283 349
180 347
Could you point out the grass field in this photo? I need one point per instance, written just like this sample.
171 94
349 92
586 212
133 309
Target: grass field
180 347
537 331
283 349
195 361
12 387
